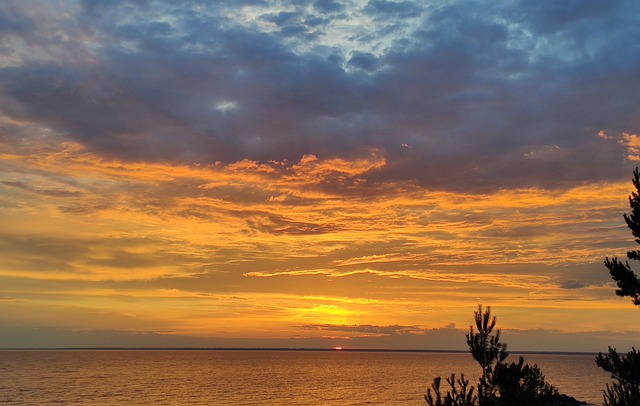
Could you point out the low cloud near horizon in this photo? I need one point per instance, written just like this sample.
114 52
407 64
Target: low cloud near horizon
447 338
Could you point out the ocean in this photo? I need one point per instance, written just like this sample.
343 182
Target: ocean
255 377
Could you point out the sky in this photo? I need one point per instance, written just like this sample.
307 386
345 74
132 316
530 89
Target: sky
316 173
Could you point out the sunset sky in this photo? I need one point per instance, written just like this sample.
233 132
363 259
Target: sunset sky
261 173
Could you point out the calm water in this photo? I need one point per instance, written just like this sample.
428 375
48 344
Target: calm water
210 377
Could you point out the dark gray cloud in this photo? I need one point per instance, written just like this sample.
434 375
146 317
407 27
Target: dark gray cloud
386 9
550 16
467 96
328 6
279 225
45 192
573 284
282 18
364 60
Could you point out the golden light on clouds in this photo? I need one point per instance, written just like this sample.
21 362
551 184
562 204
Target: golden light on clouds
263 249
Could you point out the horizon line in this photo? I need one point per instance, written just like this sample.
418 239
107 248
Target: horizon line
292 349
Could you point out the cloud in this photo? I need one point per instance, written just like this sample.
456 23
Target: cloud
631 142
328 6
572 284
94 259
403 9
364 60
277 225
45 192
365 330
521 281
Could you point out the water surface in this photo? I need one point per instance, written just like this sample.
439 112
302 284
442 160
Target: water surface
223 377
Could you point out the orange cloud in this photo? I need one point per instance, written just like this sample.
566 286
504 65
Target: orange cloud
252 247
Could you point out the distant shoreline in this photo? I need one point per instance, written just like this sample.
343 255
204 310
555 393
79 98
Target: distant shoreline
283 349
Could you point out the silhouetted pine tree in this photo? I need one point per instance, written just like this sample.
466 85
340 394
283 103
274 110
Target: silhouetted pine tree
486 349
627 281
625 369
501 384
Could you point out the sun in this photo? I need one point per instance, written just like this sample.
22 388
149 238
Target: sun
337 348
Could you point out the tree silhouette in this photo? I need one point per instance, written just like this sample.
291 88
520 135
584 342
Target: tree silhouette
627 281
625 369
486 349
501 383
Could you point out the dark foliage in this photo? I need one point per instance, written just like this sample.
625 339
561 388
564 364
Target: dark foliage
521 384
627 281
461 394
501 383
487 350
625 369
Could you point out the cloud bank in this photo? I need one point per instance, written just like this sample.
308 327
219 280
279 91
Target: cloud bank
456 95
